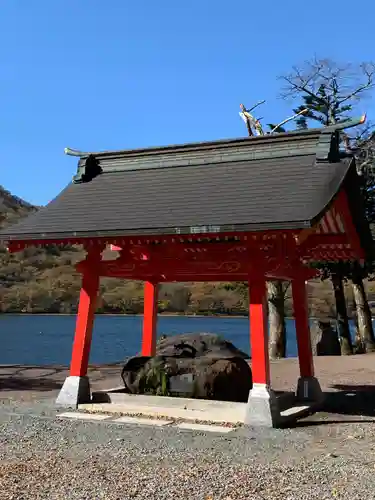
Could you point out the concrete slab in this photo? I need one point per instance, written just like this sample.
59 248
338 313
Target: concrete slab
264 407
82 416
164 401
143 421
176 408
205 428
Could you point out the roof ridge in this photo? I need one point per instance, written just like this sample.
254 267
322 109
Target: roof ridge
201 145
243 150
274 137
323 142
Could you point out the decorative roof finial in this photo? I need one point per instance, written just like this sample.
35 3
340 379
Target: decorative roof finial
254 123
250 120
302 112
73 152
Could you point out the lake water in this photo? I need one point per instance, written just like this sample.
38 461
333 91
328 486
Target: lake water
45 340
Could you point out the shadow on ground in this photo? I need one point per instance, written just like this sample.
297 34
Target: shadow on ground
51 378
30 378
351 400
343 405
28 384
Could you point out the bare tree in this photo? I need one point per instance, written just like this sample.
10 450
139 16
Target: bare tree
331 93
335 90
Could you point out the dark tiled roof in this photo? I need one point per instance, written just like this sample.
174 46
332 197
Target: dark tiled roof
279 181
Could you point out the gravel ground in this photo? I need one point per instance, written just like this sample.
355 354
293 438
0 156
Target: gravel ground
42 457
330 455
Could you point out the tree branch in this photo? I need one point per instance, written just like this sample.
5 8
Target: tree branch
302 88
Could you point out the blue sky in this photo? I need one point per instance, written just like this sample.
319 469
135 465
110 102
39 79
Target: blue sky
117 74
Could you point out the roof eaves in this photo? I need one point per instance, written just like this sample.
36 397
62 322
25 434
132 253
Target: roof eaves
177 231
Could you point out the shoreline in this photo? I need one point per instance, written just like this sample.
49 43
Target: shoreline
166 315
93 367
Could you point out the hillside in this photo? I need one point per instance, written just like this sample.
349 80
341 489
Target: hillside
12 208
45 280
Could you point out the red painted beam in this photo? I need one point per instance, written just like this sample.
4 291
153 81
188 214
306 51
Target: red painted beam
301 316
86 311
188 271
150 319
259 332
84 324
184 278
174 266
13 247
315 240
172 239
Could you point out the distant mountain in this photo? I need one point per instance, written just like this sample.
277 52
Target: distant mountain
13 208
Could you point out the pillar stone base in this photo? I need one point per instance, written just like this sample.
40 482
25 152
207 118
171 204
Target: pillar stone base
308 389
76 390
262 407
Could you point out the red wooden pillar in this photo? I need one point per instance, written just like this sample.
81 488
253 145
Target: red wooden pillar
85 322
259 331
301 316
150 315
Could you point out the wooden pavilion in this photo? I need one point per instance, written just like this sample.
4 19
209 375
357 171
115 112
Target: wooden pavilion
251 209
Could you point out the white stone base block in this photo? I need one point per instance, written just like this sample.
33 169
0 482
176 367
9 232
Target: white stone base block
262 407
76 390
308 389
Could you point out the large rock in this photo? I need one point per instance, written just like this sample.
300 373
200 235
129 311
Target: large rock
203 343
324 339
191 365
